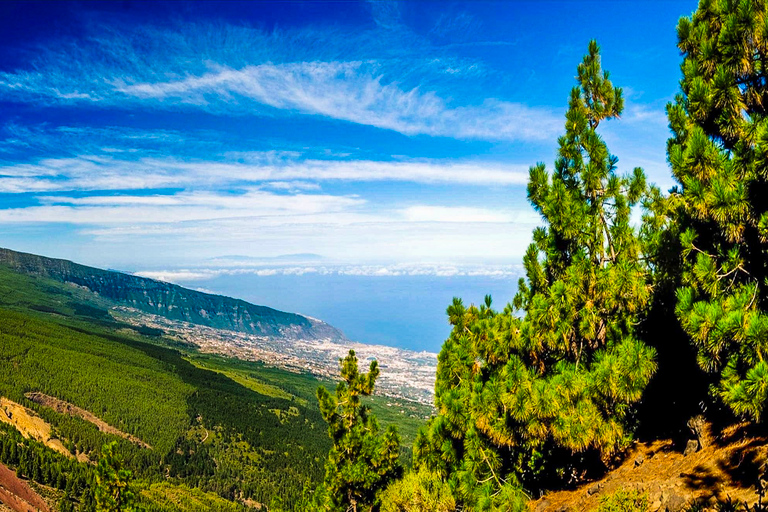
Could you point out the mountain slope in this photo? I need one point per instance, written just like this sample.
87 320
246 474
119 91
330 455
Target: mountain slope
172 301
205 430
244 431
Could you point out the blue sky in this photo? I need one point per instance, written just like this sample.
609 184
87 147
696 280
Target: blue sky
143 135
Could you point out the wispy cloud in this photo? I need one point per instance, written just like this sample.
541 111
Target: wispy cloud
44 139
168 69
260 222
350 91
258 208
291 186
162 155
105 172
182 207
273 201
652 117
352 236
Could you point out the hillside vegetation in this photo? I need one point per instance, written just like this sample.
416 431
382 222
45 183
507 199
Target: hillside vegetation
60 341
169 300
240 430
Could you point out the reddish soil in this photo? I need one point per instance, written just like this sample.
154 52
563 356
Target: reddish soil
17 494
728 465
63 407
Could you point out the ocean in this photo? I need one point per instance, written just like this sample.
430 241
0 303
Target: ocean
402 311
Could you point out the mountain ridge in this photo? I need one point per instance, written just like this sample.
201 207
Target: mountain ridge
173 301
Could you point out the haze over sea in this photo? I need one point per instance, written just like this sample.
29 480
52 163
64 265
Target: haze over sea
402 306
402 311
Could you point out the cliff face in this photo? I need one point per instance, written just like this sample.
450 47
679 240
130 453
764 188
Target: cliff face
172 301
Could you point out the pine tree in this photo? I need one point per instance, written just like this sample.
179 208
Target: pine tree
65 504
718 154
418 491
114 487
517 397
361 462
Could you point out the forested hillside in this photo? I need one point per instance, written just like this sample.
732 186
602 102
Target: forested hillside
155 394
240 430
172 301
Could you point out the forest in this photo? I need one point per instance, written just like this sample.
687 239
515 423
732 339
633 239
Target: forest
640 310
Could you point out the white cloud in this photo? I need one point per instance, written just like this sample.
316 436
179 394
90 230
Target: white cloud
90 172
262 223
183 207
270 202
343 236
653 117
154 200
178 276
352 91
291 185
456 214
183 276
237 70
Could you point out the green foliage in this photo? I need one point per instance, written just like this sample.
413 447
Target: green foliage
418 491
408 416
136 392
361 462
624 501
114 484
165 497
154 393
718 155
517 398
77 480
41 464
56 339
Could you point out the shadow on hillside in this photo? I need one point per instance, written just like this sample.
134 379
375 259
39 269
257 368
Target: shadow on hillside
702 477
678 391
726 432
745 465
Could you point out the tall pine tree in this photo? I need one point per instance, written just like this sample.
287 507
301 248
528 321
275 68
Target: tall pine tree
517 397
361 462
719 156
114 483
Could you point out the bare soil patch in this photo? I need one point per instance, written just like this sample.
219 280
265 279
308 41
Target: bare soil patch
17 495
30 425
63 407
728 465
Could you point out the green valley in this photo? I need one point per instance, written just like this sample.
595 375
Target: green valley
243 432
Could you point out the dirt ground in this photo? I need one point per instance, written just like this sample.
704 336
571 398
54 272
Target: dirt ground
17 495
30 424
728 465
